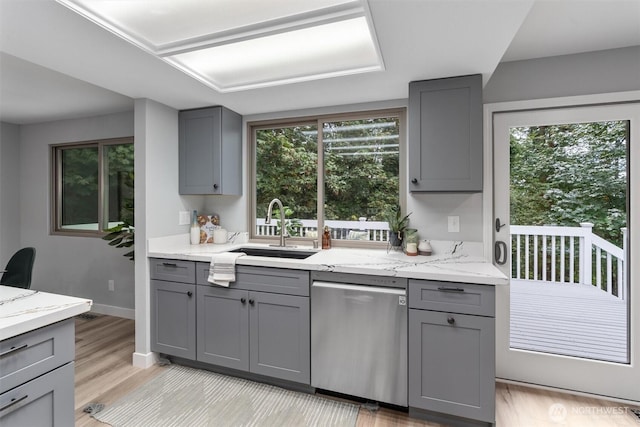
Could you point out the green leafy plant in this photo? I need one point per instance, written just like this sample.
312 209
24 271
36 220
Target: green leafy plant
397 223
122 236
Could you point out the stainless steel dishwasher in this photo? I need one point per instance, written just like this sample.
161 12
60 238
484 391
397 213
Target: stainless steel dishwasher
359 336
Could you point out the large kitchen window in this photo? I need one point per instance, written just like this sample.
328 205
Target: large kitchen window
339 171
92 187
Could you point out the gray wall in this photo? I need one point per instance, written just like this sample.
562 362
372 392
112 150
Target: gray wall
78 266
614 70
10 191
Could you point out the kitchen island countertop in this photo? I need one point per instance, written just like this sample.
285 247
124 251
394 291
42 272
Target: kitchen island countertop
452 261
23 310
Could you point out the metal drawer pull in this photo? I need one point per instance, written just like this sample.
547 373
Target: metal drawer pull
451 289
12 402
13 350
170 264
451 320
189 294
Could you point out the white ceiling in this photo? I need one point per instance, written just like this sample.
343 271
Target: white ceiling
55 64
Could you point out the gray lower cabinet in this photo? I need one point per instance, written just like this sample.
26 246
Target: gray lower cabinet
37 377
223 327
173 318
47 400
445 134
265 333
210 151
452 351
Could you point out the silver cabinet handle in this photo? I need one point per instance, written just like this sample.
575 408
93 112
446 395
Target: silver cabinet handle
12 402
443 289
13 350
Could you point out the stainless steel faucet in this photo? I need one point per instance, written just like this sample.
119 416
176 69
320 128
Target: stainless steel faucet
267 220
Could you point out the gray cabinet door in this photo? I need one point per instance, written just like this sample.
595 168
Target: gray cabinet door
210 151
173 318
452 364
445 134
223 327
34 353
280 336
47 400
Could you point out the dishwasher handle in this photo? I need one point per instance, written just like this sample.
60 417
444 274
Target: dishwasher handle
360 288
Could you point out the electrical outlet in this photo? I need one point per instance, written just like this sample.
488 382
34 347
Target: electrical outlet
183 218
454 224
112 285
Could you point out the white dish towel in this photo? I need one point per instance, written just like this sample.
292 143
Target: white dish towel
223 268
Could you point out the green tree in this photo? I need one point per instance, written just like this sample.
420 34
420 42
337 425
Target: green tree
567 174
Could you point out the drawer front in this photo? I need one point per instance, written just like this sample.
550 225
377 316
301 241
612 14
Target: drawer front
452 297
45 401
34 353
274 280
202 273
172 270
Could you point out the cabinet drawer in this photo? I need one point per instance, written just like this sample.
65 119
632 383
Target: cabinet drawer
452 297
34 353
173 270
274 280
45 401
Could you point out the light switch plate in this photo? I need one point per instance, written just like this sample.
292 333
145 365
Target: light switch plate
183 218
454 224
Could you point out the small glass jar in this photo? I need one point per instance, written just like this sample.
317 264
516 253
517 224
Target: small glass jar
410 241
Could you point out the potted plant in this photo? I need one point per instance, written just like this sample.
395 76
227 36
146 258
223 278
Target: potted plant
122 236
397 225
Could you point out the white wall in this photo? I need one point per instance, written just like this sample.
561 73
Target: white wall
78 266
157 202
9 191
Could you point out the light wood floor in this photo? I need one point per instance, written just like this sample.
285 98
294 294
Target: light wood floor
104 374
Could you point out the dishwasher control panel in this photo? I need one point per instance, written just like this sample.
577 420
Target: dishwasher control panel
359 279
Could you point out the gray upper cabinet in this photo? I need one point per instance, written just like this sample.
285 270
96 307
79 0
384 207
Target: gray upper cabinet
210 151
445 134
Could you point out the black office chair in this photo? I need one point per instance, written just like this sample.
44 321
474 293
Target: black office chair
18 270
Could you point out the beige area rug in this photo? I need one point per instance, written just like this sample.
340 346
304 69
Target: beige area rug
183 397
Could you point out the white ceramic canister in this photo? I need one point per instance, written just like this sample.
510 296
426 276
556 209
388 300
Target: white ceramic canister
220 235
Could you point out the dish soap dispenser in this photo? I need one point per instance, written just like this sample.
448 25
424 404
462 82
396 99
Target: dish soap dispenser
195 229
326 238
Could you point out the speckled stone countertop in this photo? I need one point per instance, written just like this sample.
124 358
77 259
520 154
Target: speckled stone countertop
451 261
23 310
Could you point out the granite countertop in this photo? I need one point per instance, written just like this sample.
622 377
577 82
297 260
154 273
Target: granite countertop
23 310
451 261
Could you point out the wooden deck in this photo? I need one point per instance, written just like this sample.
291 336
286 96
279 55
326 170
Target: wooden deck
568 319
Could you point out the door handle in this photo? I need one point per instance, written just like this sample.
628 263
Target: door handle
500 252
498 225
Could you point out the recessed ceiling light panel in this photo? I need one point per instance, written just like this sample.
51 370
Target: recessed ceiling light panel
235 45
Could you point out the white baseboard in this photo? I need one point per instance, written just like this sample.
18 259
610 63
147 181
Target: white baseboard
127 313
144 361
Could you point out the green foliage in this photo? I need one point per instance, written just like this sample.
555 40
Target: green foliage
567 174
360 178
397 222
122 236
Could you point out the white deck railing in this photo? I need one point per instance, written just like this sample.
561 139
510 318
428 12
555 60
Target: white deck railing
569 255
377 231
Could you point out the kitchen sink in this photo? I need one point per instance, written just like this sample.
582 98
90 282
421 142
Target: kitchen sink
276 252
